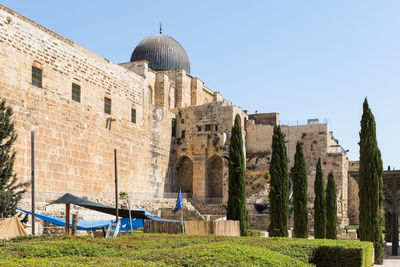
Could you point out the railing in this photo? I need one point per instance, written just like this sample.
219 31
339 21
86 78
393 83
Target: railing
305 122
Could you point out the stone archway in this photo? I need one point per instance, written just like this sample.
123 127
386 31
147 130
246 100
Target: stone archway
182 176
214 179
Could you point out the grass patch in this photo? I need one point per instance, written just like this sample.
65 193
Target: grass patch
181 250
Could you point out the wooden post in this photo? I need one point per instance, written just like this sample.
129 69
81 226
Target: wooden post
74 224
67 206
33 180
116 186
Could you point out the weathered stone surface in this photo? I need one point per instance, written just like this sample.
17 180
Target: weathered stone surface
317 142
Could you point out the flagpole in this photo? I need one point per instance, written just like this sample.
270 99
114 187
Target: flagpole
179 205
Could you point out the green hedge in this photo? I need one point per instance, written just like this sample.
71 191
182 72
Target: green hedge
321 252
177 250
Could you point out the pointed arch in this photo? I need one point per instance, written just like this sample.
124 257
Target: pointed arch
182 175
214 179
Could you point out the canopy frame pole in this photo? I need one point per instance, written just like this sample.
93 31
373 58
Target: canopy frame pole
67 207
33 180
116 186
130 216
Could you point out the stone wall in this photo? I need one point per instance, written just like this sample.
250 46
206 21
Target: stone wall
354 201
317 142
265 118
74 142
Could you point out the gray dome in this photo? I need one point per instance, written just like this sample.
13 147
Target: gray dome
162 52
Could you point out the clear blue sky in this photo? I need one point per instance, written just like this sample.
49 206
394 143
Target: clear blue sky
301 58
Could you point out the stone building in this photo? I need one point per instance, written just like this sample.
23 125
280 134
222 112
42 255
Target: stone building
318 142
169 130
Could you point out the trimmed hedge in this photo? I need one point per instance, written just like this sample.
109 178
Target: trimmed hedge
177 250
321 252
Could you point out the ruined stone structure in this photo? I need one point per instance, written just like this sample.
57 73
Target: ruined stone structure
317 141
170 131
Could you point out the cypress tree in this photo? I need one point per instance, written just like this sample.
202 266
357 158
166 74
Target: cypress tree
319 204
236 209
11 191
388 226
279 186
331 208
370 184
299 177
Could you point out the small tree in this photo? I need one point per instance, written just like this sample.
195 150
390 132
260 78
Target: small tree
319 204
299 177
11 191
279 186
370 184
331 208
388 226
236 209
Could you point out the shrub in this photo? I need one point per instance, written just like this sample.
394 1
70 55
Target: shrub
168 249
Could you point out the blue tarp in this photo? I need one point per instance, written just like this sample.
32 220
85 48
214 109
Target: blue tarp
93 225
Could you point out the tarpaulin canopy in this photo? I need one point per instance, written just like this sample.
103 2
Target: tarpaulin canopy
124 213
89 225
93 225
11 227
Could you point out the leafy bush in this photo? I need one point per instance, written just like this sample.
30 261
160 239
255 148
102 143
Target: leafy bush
173 250
252 232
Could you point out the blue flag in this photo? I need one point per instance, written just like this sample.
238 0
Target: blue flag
179 202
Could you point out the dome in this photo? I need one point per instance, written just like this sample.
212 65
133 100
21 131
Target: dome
162 52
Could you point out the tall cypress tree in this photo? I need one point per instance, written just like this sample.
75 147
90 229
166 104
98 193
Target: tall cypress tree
370 184
299 177
331 208
11 191
388 226
236 209
279 186
319 203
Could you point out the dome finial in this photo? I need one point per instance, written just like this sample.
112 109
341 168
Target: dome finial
160 27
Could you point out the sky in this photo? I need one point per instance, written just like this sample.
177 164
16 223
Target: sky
301 58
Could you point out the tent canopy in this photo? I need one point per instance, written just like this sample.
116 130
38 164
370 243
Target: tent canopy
124 213
11 227
88 225
93 225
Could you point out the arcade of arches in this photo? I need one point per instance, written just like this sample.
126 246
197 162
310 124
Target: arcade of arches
183 176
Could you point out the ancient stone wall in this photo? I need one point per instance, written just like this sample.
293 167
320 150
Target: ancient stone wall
354 201
259 138
75 141
201 143
317 142
265 118
190 91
